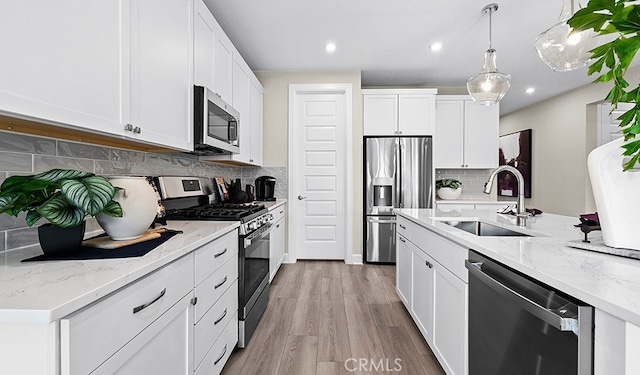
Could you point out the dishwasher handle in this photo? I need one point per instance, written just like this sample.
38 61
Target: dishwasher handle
548 316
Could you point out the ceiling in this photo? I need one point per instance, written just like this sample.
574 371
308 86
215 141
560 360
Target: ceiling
388 41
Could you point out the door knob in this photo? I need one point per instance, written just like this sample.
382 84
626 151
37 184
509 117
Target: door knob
300 197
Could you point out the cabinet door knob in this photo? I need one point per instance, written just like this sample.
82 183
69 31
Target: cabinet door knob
128 127
137 130
300 197
428 264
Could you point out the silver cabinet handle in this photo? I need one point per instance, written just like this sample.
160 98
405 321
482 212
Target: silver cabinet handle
402 226
144 306
282 211
220 318
403 240
559 322
221 356
222 283
220 254
278 226
251 160
428 264
300 197
128 127
137 130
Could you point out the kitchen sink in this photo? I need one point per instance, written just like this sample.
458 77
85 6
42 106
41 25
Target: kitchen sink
480 228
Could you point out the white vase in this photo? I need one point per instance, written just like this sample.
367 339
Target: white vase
139 207
615 193
449 193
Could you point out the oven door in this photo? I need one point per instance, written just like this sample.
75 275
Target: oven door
253 268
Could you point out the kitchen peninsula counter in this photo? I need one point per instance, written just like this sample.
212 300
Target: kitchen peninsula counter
609 283
45 291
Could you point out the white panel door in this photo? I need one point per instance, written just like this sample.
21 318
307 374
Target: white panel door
416 114
318 165
204 45
223 67
242 104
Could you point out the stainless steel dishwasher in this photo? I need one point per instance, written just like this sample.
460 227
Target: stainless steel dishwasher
521 326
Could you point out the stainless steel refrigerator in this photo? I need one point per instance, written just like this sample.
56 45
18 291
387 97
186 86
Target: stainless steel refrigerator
398 173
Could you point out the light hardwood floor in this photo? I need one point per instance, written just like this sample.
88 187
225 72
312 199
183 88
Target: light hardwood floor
323 314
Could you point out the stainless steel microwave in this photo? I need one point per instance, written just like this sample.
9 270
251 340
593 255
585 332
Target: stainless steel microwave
215 124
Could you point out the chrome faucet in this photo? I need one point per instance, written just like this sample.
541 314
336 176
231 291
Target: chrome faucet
521 211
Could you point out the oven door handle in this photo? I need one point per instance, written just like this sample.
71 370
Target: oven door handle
548 316
263 233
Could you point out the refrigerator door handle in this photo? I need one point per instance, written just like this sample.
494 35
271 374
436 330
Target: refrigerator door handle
381 221
400 203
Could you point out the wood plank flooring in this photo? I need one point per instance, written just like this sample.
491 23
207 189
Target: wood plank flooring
328 318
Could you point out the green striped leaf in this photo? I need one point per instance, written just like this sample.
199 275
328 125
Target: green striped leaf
59 211
7 202
92 194
113 209
32 217
55 175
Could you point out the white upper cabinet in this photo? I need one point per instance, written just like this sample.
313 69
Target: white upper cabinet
402 112
223 67
204 45
466 133
121 68
64 63
257 106
161 74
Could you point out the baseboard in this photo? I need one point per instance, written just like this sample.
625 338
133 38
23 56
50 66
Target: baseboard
285 259
356 259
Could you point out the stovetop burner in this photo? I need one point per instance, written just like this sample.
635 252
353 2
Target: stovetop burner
222 211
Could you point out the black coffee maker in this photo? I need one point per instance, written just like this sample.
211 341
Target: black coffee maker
265 188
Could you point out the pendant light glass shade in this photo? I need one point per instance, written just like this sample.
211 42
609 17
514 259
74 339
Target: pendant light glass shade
490 85
560 47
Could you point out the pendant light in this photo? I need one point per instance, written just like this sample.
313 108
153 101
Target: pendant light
490 85
560 47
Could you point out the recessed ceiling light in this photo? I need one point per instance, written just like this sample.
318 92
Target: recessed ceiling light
437 46
330 47
530 90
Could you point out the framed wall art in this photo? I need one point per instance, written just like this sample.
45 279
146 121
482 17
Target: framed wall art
515 150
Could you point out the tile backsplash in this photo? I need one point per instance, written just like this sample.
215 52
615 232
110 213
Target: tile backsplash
473 181
22 154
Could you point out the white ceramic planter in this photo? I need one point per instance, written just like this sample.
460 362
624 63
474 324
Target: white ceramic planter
449 193
139 207
615 193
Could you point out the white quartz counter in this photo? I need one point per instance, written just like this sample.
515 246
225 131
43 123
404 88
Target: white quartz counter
42 292
273 204
607 282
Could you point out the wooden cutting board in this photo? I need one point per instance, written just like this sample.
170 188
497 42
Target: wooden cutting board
107 243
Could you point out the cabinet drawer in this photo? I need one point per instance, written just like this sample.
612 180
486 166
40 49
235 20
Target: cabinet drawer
279 212
90 336
214 254
210 290
448 253
209 328
215 360
404 227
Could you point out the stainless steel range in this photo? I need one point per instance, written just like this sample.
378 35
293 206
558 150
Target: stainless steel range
188 198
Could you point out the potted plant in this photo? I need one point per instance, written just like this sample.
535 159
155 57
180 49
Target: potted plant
448 188
613 182
62 197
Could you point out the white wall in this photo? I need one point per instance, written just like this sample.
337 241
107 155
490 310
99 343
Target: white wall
564 133
276 127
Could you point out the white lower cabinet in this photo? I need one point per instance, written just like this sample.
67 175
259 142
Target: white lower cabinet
94 334
163 348
403 270
450 320
422 280
431 282
277 241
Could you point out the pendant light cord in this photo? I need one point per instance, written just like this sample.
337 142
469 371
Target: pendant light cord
490 12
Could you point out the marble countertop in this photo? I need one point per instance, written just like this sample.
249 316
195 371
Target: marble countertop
273 204
473 201
607 282
42 292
